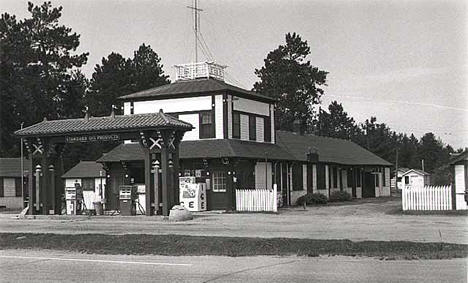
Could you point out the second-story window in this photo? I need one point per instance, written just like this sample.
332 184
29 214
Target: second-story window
252 128
206 125
236 125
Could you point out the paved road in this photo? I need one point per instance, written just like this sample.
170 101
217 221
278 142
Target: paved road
365 221
46 266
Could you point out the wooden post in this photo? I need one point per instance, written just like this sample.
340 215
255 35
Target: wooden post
30 183
229 185
37 199
52 186
165 180
157 196
149 197
353 177
176 170
44 187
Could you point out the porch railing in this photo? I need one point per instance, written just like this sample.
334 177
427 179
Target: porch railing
257 199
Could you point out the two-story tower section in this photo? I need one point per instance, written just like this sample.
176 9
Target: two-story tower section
216 109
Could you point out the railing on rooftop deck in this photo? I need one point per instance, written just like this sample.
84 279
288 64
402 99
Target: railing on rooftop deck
257 199
199 70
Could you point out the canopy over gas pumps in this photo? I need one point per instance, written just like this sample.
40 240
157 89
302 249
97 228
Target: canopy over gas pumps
156 132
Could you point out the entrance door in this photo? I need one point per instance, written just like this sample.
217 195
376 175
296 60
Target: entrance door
217 194
368 188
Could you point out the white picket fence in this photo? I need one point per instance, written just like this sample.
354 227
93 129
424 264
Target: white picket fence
427 198
256 199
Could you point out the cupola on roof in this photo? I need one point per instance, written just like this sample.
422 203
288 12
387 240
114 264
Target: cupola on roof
200 70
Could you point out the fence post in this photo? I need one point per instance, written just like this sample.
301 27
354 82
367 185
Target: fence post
275 198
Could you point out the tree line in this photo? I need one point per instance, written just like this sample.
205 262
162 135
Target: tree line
40 77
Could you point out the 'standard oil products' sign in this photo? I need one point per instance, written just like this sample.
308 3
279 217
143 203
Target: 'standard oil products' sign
92 138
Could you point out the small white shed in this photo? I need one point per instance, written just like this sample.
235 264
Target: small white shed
416 178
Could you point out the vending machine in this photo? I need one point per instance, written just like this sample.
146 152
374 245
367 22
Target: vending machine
70 198
127 200
192 195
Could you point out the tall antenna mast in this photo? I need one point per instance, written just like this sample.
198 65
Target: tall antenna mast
196 25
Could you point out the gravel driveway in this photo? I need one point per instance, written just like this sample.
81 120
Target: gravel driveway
370 219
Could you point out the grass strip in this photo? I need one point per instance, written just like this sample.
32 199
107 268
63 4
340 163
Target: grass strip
182 245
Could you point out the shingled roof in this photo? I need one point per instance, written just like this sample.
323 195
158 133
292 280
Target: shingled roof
104 124
330 150
205 149
11 167
198 86
85 169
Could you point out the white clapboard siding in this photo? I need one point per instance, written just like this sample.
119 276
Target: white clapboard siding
173 105
427 198
272 121
219 112
251 106
194 120
257 199
229 116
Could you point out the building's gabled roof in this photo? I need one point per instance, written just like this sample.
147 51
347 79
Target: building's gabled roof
460 157
183 88
417 171
86 169
403 169
215 148
103 125
11 167
329 150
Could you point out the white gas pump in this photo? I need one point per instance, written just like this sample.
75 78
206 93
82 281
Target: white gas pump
70 197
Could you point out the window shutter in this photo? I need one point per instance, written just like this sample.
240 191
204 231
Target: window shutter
1 188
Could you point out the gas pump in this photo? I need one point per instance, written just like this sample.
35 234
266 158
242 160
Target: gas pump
70 198
127 195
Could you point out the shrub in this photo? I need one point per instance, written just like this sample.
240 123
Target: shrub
314 198
340 196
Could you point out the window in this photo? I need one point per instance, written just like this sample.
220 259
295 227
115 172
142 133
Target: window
236 125
267 129
377 180
335 177
206 125
219 181
297 177
252 128
406 180
87 184
349 177
1 188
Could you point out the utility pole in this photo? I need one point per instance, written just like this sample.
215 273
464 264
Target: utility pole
22 170
396 169
196 25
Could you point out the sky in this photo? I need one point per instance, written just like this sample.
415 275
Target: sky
404 62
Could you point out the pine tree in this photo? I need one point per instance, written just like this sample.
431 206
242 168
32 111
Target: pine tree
289 77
